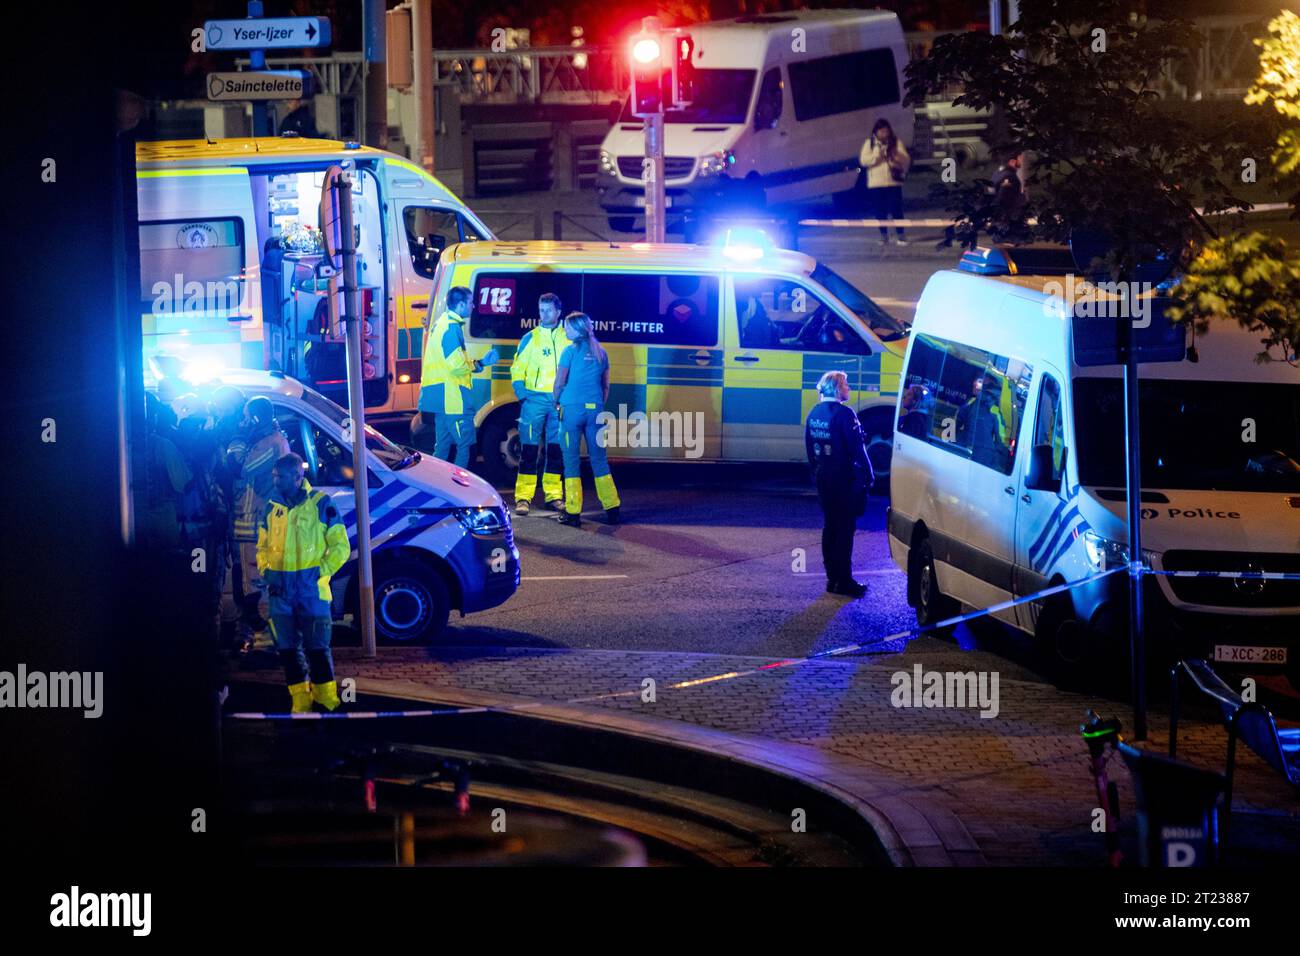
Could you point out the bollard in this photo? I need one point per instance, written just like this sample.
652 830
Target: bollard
1177 810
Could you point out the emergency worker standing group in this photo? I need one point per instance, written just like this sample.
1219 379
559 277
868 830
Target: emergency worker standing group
560 374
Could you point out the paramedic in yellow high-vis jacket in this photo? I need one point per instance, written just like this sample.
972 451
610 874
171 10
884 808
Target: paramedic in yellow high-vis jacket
532 374
301 544
446 380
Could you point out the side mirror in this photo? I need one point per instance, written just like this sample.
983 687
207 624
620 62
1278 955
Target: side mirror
1041 469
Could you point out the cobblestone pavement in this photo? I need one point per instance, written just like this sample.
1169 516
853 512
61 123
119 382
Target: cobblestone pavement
1018 781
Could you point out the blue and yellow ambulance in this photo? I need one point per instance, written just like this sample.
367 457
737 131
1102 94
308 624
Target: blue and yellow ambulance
715 351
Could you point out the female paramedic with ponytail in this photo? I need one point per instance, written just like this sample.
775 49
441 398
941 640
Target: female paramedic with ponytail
581 389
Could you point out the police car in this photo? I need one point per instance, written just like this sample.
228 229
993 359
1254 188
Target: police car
1009 476
440 536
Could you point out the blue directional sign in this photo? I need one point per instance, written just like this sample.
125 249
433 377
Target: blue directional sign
273 33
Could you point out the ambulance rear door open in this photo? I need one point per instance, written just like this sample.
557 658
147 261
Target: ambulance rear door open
296 298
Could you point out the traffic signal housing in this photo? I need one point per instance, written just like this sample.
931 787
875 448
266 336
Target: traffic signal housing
647 74
683 71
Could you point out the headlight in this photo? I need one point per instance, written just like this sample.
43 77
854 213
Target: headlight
607 163
1103 553
481 520
714 164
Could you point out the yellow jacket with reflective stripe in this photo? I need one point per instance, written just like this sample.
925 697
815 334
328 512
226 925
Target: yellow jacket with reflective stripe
447 367
538 357
303 544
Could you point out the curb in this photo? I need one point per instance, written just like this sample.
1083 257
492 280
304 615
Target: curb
911 833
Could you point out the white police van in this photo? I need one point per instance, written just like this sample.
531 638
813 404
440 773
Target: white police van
1009 477
440 536
783 103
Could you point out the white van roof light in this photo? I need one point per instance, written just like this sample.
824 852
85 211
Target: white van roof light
1025 259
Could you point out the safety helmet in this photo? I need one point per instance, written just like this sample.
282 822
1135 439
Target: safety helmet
259 408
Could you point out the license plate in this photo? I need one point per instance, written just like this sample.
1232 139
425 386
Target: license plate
1240 654
639 201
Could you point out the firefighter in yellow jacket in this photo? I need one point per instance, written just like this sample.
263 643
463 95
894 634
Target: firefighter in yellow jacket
301 543
532 374
446 380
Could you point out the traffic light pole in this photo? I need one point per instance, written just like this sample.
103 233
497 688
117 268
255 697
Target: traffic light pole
357 413
653 176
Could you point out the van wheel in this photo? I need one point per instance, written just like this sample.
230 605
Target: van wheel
499 443
1075 657
622 223
878 428
932 605
411 602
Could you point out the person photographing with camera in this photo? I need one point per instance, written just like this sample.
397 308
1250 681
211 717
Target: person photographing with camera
886 162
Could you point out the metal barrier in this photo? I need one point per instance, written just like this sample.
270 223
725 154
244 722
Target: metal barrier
524 217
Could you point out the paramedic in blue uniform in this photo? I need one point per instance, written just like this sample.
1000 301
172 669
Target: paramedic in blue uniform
837 453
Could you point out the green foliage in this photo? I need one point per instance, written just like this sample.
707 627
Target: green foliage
1255 278
1072 83
1251 278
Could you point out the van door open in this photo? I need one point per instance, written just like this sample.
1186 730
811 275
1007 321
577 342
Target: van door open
424 230
295 299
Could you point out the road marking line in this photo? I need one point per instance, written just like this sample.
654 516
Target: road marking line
570 577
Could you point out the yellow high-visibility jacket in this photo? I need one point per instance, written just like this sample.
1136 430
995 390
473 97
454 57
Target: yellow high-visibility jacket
300 548
537 359
447 372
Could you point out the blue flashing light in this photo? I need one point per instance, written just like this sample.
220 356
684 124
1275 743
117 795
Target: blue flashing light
744 243
984 261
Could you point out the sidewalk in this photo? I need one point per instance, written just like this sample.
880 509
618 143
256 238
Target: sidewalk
948 785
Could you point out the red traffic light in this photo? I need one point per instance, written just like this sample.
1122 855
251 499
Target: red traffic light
647 74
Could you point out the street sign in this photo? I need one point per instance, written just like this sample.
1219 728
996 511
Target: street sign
1106 340
259 85
274 33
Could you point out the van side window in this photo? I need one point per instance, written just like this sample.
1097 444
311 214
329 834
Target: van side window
208 253
505 303
768 110
1049 425
779 314
675 309
964 399
841 84
428 232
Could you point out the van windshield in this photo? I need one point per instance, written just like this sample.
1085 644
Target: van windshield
1195 435
721 96
392 455
888 328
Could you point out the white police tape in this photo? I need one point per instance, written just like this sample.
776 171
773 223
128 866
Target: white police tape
1252 575
886 645
890 644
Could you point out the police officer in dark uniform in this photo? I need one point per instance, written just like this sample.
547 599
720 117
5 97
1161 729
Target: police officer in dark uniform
842 472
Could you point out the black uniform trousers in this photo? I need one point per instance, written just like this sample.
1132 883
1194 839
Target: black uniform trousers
841 507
